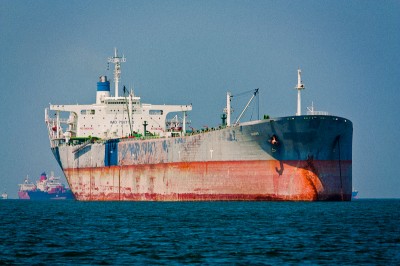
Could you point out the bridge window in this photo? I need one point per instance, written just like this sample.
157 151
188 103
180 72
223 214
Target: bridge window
89 112
155 112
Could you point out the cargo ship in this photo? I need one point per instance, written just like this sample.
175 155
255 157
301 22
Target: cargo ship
120 149
46 188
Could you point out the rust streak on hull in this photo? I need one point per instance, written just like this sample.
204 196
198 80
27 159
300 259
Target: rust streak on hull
211 181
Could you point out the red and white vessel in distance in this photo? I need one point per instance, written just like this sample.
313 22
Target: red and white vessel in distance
46 188
122 149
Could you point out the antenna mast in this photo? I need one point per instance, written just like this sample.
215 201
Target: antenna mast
228 109
300 86
117 60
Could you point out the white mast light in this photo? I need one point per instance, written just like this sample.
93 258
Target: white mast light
117 60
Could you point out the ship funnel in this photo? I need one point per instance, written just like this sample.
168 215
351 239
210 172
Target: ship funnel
43 176
103 89
103 84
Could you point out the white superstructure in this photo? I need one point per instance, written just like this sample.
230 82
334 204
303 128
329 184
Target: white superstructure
113 116
27 185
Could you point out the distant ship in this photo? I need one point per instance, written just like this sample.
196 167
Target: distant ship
4 196
45 189
122 149
354 194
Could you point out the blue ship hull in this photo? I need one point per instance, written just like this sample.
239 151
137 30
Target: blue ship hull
40 195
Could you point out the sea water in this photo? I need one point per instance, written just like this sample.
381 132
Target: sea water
361 232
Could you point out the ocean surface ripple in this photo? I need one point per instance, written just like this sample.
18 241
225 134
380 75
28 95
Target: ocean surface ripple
361 232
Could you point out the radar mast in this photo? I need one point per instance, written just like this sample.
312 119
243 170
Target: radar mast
117 60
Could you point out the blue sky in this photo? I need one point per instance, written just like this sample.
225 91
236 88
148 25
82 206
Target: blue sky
181 52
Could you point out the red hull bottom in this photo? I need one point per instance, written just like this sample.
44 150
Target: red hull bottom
23 195
215 181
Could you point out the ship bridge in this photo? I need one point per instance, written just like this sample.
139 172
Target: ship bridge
114 119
